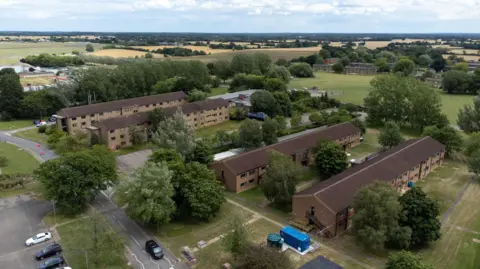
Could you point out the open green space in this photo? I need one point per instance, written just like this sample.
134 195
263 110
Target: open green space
355 88
14 124
368 146
77 238
18 160
176 235
31 188
212 130
12 52
32 135
218 91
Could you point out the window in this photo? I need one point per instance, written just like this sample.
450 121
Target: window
147 106
220 113
74 125
226 117
135 111
101 114
112 138
243 184
124 143
93 121
161 103
251 172
243 175
149 136
251 180
154 104
265 167
405 174
74 118
122 136
84 123
111 131
83 117
188 115
92 115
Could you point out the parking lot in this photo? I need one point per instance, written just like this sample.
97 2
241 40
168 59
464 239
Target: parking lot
20 218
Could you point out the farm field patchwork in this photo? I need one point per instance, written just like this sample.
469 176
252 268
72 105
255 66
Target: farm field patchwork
120 53
466 57
199 48
12 52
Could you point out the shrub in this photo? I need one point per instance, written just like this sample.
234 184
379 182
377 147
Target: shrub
42 129
50 129
3 161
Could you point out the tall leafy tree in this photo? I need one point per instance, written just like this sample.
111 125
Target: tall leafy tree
149 194
201 193
405 260
277 71
175 133
154 118
251 135
89 47
330 159
446 135
243 63
262 62
360 124
301 70
74 179
263 101
274 85
390 135
472 144
202 153
11 92
469 117
269 131
426 108
420 213
284 104
278 183
474 162
236 241
405 67
456 81
296 120
377 211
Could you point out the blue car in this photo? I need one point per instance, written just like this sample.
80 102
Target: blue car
52 263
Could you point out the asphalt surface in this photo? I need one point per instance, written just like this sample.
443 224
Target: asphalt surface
41 152
20 218
135 237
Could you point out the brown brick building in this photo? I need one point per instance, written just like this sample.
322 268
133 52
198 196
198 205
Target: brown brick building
73 119
114 132
327 204
244 171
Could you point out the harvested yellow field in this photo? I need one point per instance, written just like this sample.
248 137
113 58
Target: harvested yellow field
36 37
119 53
463 51
206 49
408 40
36 81
466 57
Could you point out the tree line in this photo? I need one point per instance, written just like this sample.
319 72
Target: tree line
49 60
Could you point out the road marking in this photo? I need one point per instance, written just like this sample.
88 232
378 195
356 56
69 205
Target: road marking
135 256
121 225
171 265
158 265
135 240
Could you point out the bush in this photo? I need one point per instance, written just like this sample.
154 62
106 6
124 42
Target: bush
50 129
3 161
301 70
215 82
42 129
5 116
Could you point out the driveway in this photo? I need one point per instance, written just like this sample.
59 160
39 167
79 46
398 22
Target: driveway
20 217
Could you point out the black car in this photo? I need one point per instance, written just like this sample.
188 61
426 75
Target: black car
154 249
51 250
52 263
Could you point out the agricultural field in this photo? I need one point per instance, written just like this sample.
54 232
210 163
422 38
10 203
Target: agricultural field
119 53
463 51
204 48
12 52
36 81
355 88
466 57
22 37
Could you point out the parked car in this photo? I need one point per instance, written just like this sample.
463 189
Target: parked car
39 238
52 263
51 250
53 118
154 249
35 122
41 123
64 267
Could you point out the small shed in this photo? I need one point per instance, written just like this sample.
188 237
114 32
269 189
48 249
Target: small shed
295 238
321 262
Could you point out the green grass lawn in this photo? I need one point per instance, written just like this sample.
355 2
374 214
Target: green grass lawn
218 91
212 130
14 124
32 188
33 135
176 235
78 235
355 89
368 146
19 161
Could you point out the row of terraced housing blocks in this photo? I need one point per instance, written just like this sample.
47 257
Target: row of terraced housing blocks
327 204
111 121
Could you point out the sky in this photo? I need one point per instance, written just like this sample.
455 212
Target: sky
242 16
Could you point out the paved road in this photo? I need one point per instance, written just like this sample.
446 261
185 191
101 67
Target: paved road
28 145
135 237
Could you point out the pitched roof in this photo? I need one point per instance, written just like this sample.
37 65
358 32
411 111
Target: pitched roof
142 117
321 262
338 191
259 157
118 104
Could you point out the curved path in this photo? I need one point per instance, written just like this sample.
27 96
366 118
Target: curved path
35 148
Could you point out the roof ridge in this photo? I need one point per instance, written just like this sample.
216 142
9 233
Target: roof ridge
372 164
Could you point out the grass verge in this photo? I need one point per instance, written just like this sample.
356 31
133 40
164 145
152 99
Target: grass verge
15 124
212 130
33 135
18 160
218 91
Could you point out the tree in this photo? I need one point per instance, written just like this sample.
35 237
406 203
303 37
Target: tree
377 210
469 117
472 144
278 183
202 153
261 257
344 61
223 70
89 48
281 122
424 60
284 104
390 135
455 81
11 92
149 192
243 63
154 118
236 240
76 178
201 193
474 162
438 64
296 120
196 95
148 55
426 108
281 72
338 68
405 67
301 70
420 213
262 62
446 135
137 135
461 67
275 84
175 133
405 260
269 131
263 101
390 56
382 65
282 62
251 135
360 124
330 159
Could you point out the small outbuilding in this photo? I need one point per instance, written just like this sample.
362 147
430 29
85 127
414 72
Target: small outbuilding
321 262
